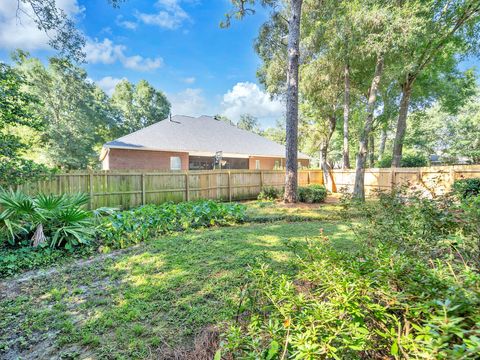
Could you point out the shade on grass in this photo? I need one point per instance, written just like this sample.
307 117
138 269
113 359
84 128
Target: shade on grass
152 297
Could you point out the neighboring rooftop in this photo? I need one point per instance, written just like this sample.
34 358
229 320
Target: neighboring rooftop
203 136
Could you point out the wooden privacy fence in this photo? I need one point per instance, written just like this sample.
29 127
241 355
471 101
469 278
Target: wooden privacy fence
129 189
436 179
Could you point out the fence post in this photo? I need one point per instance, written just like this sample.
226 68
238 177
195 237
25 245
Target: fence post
308 178
261 180
187 187
143 189
90 188
453 174
229 186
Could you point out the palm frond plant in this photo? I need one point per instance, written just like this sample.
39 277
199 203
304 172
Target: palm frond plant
55 220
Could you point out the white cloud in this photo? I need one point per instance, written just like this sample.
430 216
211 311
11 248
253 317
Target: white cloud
189 102
130 25
18 29
106 52
108 84
189 80
247 97
170 15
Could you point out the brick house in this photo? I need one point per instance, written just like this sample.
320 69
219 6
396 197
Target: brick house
188 143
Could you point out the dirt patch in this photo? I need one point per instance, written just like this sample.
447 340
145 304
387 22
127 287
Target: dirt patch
205 346
11 287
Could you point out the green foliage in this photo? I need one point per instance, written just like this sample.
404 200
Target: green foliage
61 219
15 261
250 123
312 193
464 188
16 110
276 133
409 289
423 226
408 160
270 193
125 228
78 116
436 131
76 113
139 105
19 171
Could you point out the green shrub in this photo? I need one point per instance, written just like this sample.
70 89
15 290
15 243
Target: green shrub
464 188
432 227
408 160
59 220
270 193
373 303
125 228
312 193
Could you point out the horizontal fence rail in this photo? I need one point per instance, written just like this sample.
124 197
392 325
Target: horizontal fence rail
125 189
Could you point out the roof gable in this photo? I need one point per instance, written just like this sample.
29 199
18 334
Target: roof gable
199 135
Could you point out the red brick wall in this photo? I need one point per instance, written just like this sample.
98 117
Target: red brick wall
142 159
267 163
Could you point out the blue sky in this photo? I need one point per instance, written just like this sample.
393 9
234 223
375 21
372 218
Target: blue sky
177 45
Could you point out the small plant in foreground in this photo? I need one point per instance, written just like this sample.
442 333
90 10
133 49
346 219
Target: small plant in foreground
270 193
312 193
53 220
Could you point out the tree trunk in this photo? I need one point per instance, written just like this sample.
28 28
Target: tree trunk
402 123
371 151
332 124
383 142
346 117
292 102
359 187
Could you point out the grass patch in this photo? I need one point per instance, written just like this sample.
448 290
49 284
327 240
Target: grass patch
151 298
271 210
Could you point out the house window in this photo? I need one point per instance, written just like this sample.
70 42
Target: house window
175 163
277 165
257 164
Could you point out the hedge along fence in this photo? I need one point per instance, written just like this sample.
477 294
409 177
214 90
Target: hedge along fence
436 179
127 189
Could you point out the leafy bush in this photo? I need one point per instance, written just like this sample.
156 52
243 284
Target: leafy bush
18 171
427 227
125 228
54 220
407 289
376 302
464 188
408 160
270 193
312 193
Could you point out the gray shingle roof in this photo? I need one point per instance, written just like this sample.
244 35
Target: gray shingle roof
200 135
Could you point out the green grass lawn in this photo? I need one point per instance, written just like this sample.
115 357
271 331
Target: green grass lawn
155 298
